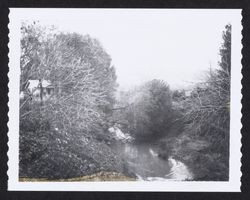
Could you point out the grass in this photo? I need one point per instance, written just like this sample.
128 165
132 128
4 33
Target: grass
100 176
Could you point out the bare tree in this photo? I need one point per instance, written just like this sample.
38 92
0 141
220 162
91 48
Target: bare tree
80 71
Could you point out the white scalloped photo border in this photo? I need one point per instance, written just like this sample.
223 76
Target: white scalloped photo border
234 183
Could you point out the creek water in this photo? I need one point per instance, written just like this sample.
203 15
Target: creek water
143 160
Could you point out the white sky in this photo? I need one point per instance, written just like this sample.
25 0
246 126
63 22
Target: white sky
173 45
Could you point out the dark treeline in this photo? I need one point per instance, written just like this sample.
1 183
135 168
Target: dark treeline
64 133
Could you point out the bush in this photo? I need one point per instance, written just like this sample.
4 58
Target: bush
35 120
64 154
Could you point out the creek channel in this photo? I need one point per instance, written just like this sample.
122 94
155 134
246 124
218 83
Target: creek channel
142 159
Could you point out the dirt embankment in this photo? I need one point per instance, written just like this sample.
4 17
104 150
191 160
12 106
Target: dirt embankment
101 176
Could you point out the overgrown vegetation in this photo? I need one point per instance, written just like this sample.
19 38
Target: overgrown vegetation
147 112
191 127
66 134
63 136
204 143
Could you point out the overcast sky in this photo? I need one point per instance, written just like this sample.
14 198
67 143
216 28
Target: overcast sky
176 46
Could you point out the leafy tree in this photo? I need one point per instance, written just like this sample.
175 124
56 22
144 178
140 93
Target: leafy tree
225 53
150 110
178 95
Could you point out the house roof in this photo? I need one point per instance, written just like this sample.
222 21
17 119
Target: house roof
34 84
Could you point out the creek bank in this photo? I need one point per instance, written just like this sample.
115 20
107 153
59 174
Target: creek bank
100 176
178 172
62 154
196 154
149 160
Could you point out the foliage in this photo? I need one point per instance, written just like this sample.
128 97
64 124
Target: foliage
178 95
33 42
60 136
80 71
207 111
149 110
58 154
66 136
208 105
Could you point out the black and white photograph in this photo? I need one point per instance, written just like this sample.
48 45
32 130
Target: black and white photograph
124 99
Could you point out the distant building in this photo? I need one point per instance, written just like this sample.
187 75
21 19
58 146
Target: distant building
34 87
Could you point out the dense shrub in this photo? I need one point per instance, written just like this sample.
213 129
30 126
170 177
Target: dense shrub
148 114
64 154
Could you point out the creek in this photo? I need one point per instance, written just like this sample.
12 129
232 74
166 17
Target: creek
142 159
